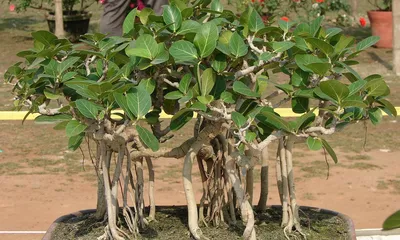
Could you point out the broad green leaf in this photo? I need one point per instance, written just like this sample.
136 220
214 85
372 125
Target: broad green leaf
198 106
184 52
266 56
220 63
228 97
87 108
375 115
205 99
55 118
356 87
238 119
50 94
207 81
351 71
237 46
188 26
138 101
392 222
334 89
172 16
287 88
389 108
45 37
250 136
60 125
285 26
173 95
377 87
314 144
144 15
271 119
129 22
67 63
74 127
321 45
219 87
305 59
343 43
145 46
180 119
162 54
319 68
243 89
225 37
185 83
300 78
302 30
315 25
206 39
332 32
353 101
187 12
255 21
122 103
217 6
304 120
149 84
329 149
148 138
75 141
300 105
282 46
366 43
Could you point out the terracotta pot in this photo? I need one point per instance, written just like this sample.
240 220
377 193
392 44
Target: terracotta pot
351 233
382 26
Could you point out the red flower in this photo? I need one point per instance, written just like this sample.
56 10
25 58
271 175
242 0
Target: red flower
132 5
12 8
363 22
284 18
140 5
319 1
102 1
261 1
252 0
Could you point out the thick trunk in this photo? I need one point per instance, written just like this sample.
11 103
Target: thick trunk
152 214
59 31
101 207
262 203
139 190
285 191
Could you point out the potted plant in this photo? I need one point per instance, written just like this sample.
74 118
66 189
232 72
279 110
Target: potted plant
76 22
381 20
196 59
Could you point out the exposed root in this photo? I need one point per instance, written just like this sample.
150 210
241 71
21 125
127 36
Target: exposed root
152 214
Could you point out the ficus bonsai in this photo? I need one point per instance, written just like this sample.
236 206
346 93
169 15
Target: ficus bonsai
204 61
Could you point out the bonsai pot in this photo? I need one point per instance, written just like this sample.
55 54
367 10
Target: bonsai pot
382 26
180 212
75 24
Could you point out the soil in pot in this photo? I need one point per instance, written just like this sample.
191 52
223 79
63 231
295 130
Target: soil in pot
75 24
171 225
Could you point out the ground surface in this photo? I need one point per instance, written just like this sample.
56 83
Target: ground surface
39 180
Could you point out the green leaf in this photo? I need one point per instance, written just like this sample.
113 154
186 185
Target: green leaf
207 81
250 136
198 106
285 26
206 39
321 45
316 25
319 68
300 105
329 149
366 43
74 127
185 83
356 86
238 119
389 108
332 32
220 63
60 125
237 47
122 103
343 43
144 15
375 115
282 46
314 144
243 89
138 101
184 52
228 97
67 63
87 108
75 141
334 89
148 138
353 101
145 46
55 118
188 26
173 95
255 21
205 99
377 87
50 94
45 37
129 22
304 120
392 222
305 59
180 119
149 84
172 17
266 56
162 55
217 6
271 119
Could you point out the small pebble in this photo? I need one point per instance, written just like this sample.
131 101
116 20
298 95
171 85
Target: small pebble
384 150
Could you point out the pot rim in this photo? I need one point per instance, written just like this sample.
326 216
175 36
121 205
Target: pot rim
79 16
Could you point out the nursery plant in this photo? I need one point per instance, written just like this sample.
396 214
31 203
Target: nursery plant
199 61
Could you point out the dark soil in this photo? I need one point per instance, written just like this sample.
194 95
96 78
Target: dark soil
171 224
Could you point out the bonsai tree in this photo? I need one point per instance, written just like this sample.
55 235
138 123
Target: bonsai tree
229 72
